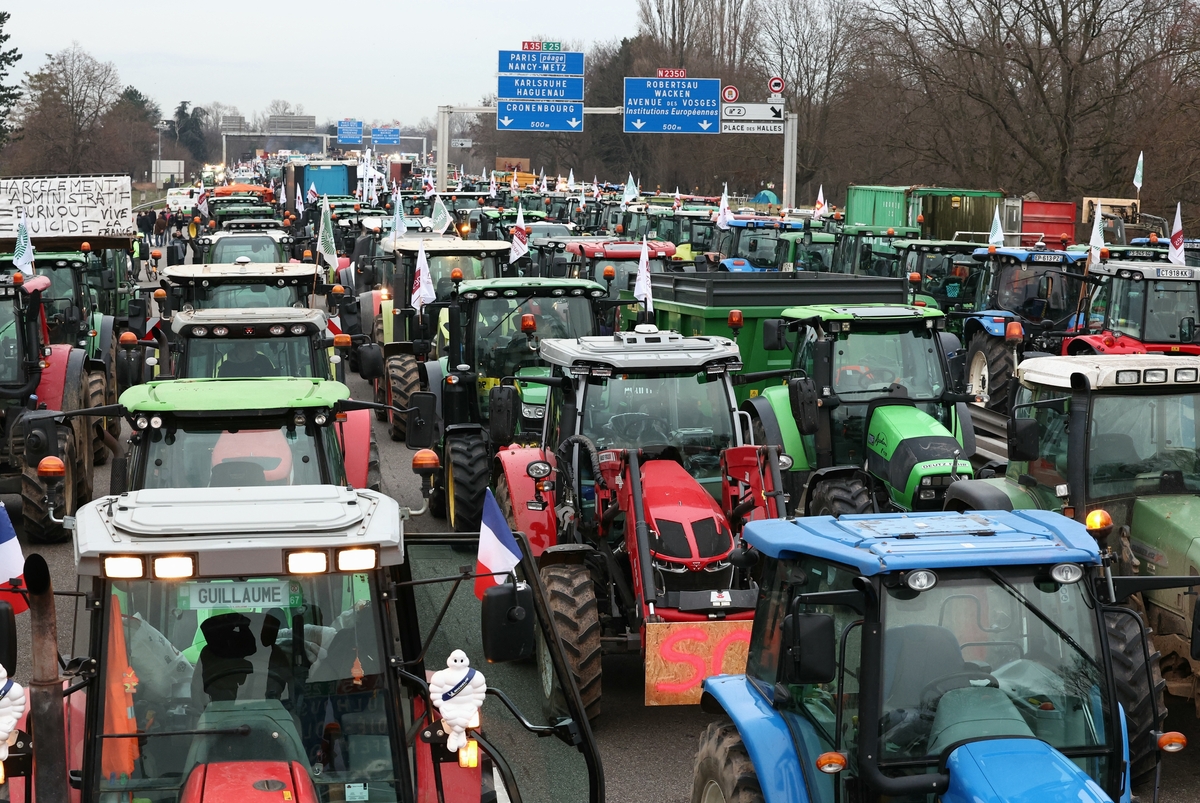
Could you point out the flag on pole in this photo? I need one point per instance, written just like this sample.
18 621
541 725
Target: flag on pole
282 194
492 187
641 288
1097 240
12 564
571 180
520 239
499 552
427 183
459 187
441 215
1137 173
542 184
202 202
996 235
399 227
325 242
422 289
595 189
723 213
513 186
299 201
819 208
1175 252
678 200
630 193
312 193
23 255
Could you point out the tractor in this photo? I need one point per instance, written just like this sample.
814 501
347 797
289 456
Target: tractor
284 640
747 245
885 426
1111 441
935 656
260 241
869 250
633 499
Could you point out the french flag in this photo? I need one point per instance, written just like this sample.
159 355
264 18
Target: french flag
499 552
12 564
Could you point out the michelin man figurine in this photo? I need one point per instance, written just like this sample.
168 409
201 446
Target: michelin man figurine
12 708
457 692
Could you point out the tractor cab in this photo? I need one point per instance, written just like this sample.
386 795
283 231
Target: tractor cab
810 250
748 245
1139 306
550 256
241 209
945 267
260 241
496 224
592 260
871 250
240 285
964 656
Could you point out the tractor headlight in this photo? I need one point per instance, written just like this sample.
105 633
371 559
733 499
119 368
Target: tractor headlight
920 580
538 469
785 462
533 410
141 422
156 422
1066 573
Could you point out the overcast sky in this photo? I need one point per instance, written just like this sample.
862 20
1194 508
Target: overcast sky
363 59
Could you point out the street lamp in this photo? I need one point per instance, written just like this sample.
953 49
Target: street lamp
162 126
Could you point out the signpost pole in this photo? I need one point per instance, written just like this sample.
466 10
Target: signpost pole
443 147
791 130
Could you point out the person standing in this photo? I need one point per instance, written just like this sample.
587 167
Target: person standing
160 230
136 255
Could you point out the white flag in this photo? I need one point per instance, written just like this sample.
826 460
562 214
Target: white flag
202 202
326 246
595 189
723 213
819 207
312 193
1175 252
1137 174
520 239
641 288
422 289
282 195
571 181
492 187
460 179
1097 240
399 227
513 186
299 201
542 186
630 193
23 252
428 184
441 216
996 235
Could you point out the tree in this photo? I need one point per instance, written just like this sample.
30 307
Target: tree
9 93
187 129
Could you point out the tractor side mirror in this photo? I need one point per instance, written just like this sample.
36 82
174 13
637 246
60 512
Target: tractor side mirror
507 623
810 654
1045 287
118 475
370 361
504 405
1195 630
421 430
8 638
1022 439
1187 330
774 334
108 279
802 392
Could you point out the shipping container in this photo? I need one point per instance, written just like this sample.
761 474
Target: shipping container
1049 222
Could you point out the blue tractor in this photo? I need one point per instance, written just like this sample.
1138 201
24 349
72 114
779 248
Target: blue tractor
747 246
968 657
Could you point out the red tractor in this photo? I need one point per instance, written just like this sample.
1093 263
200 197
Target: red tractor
635 500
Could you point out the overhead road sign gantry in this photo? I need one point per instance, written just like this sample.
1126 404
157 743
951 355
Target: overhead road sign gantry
349 132
385 136
538 115
540 88
523 62
672 105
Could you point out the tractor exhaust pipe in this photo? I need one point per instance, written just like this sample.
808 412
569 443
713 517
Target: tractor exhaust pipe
641 531
1077 423
45 687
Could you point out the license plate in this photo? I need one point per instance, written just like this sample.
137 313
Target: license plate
1055 258
1173 273
239 596
1139 254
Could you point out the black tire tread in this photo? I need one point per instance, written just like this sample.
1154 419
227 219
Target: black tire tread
838 496
1000 368
35 517
374 472
1125 634
470 460
722 757
97 393
404 378
572 596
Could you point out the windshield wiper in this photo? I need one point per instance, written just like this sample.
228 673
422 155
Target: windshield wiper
506 317
1040 614
240 730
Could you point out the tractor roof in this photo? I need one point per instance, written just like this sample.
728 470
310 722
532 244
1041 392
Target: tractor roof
817 236
249 226
888 542
515 286
253 316
233 270
618 249
902 232
766 223
645 348
233 395
441 247
1044 257
1156 270
864 312
237 531
936 246
1119 371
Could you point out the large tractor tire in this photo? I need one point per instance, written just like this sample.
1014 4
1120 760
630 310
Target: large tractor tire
35 514
1139 694
404 378
576 616
112 389
836 497
374 472
97 397
989 369
468 465
724 772
381 387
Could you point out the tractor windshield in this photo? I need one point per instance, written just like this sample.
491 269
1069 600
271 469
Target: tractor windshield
866 363
626 270
702 234
502 349
248 357
260 294
756 246
264 669
231 452
688 411
1151 311
257 248
987 653
1144 444
1019 287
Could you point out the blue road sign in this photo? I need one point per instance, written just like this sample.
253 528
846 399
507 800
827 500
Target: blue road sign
350 132
672 106
540 63
539 87
537 115
385 136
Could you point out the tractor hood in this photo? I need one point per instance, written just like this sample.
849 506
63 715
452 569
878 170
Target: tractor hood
249 781
1162 533
687 525
906 445
1017 771
533 393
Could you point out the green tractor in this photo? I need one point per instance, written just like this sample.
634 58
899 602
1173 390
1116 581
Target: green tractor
804 251
262 240
875 422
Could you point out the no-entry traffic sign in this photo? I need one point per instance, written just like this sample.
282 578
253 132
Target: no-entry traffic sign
730 94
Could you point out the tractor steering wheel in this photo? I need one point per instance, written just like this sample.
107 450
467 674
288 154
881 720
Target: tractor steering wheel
934 689
863 376
633 427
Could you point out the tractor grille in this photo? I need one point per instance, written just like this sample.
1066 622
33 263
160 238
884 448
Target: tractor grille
672 540
711 540
670 577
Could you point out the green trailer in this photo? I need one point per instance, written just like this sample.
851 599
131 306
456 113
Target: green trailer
938 213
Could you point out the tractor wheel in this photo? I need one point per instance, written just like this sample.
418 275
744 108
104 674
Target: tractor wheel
989 368
405 380
839 496
35 515
381 388
724 772
504 500
97 397
1138 695
374 473
468 465
112 390
576 616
